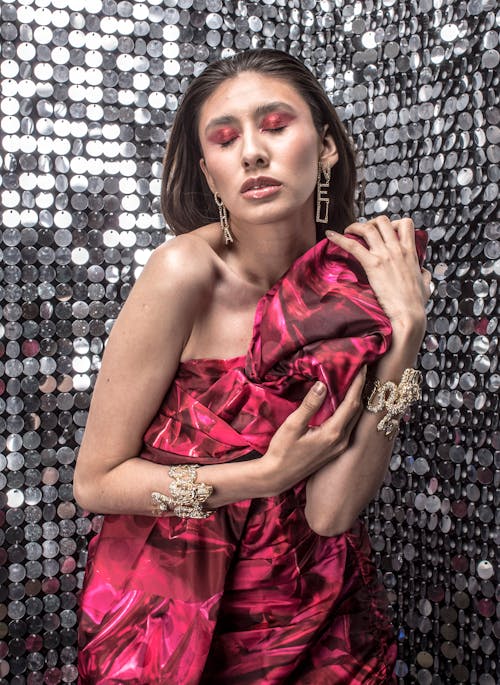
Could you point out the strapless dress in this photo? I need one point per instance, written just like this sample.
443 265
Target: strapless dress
250 595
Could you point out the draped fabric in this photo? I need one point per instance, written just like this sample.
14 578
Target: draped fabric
250 595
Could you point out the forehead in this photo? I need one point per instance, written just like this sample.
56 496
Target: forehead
242 94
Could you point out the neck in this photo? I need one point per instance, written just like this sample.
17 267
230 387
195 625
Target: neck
261 253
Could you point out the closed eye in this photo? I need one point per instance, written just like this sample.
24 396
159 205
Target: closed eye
270 129
275 129
226 143
276 122
224 136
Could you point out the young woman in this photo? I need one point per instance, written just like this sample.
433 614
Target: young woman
231 550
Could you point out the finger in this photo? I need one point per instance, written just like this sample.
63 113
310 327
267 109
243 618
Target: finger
354 248
355 417
386 229
427 280
353 422
406 232
299 419
349 408
369 231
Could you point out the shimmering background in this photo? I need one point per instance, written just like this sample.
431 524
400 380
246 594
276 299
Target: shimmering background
89 89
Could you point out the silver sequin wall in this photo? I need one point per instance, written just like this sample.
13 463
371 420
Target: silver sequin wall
89 90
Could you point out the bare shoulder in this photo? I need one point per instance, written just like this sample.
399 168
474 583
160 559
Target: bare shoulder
144 349
186 261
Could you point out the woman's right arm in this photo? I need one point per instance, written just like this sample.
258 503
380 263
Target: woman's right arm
140 361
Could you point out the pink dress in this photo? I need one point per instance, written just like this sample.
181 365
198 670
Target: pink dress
250 595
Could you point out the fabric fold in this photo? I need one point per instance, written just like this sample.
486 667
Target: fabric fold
250 594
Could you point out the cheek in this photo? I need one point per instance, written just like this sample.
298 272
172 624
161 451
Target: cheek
303 159
215 167
303 151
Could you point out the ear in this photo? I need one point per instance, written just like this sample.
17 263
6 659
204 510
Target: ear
208 178
328 153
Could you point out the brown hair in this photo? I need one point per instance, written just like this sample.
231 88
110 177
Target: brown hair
186 199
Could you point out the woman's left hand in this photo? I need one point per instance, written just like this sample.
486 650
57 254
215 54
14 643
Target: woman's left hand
391 264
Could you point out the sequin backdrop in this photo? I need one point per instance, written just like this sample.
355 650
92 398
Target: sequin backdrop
89 90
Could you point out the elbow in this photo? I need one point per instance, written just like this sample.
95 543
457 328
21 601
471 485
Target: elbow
84 495
80 496
330 526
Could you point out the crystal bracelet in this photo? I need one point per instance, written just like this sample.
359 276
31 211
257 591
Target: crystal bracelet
394 399
187 495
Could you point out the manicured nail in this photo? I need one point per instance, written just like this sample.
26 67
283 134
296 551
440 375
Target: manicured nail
328 233
319 388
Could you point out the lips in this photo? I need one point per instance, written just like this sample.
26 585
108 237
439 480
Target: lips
259 182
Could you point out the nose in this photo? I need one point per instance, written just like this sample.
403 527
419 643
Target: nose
253 151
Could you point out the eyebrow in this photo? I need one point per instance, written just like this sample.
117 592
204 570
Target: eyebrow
260 111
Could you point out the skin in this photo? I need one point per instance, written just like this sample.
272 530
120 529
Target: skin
282 143
267 130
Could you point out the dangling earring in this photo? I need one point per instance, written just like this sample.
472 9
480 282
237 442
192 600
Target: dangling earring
224 222
322 197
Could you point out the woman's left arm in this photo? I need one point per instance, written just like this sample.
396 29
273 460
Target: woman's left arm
340 490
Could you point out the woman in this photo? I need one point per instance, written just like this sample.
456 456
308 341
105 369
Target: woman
245 562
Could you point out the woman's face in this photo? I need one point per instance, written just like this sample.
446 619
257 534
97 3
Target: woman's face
261 149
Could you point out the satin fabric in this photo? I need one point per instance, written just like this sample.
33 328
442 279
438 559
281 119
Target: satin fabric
250 595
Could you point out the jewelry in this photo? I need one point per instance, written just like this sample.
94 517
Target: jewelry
322 196
187 496
395 399
224 221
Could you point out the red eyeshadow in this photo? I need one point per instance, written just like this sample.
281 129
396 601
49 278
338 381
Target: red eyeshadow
222 135
276 119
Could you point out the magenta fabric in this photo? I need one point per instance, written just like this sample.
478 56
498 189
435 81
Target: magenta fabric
250 595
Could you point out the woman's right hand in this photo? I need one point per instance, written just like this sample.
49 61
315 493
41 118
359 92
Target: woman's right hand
296 451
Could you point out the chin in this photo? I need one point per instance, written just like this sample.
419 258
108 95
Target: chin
268 214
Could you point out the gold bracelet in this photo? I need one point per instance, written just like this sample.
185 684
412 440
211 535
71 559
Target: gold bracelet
394 399
187 496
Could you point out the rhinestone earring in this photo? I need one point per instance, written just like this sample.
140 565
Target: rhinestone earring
224 221
322 197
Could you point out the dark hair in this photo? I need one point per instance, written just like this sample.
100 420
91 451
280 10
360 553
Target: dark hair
186 199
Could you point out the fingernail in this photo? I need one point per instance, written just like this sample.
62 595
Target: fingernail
319 388
328 233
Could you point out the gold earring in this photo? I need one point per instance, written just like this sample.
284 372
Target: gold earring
322 197
224 221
